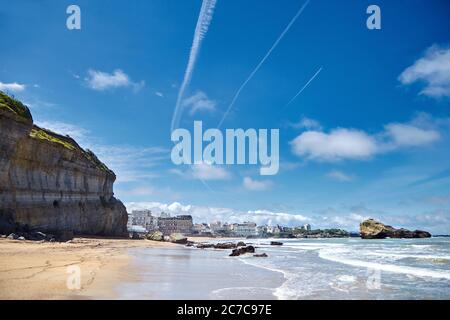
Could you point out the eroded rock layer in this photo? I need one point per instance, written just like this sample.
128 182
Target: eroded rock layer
48 182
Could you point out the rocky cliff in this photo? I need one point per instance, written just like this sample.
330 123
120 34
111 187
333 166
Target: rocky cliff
49 183
372 229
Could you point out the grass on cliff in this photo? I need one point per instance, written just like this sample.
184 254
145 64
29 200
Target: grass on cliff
39 133
69 143
15 106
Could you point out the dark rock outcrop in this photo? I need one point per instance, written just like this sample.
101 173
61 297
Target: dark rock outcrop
49 183
242 250
262 255
221 245
372 229
178 238
225 245
276 243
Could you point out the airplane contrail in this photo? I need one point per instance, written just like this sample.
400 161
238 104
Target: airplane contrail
305 86
299 12
203 22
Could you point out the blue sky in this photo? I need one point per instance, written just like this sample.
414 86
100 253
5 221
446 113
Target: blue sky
368 137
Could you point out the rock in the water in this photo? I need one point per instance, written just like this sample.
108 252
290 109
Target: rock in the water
262 255
276 243
240 244
155 236
372 229
225 245
190 244
205 245
178 238
242 250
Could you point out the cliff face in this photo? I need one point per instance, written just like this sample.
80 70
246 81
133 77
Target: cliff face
48 182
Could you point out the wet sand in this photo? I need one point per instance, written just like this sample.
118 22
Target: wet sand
183 273
125 269
39 270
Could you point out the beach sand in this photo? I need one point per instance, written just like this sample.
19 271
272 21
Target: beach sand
39 270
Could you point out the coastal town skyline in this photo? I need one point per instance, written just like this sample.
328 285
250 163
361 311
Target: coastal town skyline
366 137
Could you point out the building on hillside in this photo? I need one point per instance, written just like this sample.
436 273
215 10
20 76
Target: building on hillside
129 221
180 224
164 215
307 227
144 218
273 229
246 229
218 227
202 229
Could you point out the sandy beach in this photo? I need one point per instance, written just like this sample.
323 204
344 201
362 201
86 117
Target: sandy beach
39 270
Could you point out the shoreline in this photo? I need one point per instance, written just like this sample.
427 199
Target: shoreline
31 270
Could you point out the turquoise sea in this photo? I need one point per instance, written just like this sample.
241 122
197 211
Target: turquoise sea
299 269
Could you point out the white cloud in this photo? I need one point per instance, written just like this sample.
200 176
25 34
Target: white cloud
199 102
139 191
409 135
339 144
339 176
206 172
159 94
129 163
78 133
13 87
256 185
344 144
433 69
307 123
100 81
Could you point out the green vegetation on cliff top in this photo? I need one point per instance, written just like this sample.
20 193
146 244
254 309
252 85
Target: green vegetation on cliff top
18 108
15 106
68 143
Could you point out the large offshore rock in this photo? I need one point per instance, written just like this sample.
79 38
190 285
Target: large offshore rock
372 229
49 183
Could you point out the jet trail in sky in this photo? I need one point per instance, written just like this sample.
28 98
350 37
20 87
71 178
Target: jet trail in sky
299 12
203 22
305 86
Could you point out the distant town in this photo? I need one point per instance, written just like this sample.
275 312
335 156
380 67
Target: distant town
143 222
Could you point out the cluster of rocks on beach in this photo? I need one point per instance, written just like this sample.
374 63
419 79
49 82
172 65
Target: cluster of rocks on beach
237 248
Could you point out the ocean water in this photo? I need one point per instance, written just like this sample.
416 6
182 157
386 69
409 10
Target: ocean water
300 269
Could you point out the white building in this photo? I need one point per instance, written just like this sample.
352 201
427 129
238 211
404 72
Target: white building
202 228
273 229
130 221
145 219
307 227
246 229
219 228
